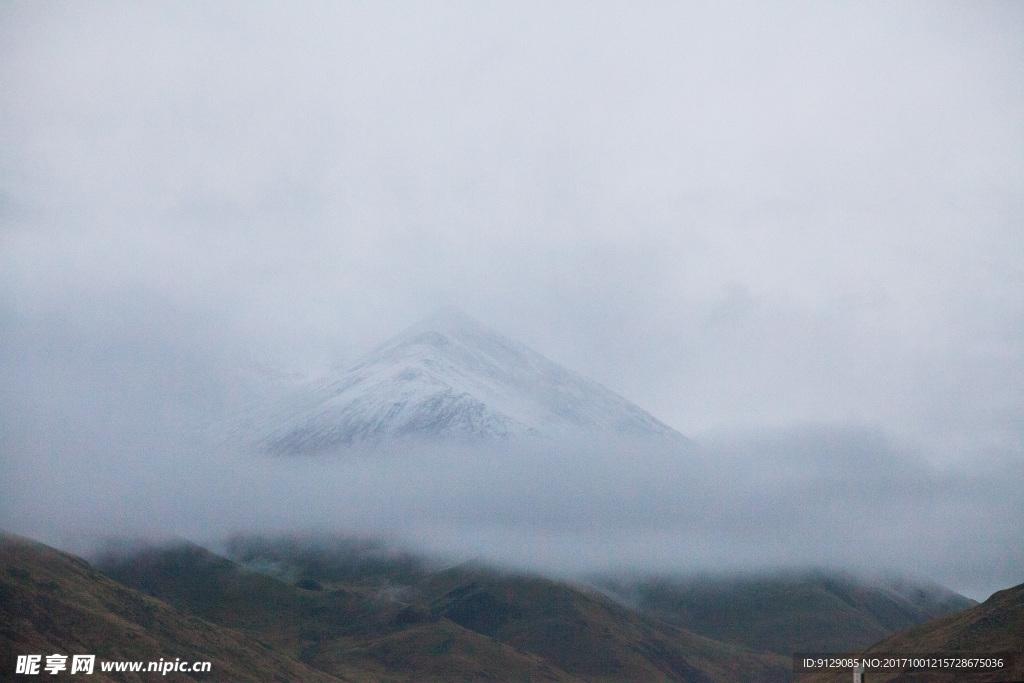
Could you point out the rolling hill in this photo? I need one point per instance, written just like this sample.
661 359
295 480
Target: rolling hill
463 622
346 610
54 602
992 627
813 611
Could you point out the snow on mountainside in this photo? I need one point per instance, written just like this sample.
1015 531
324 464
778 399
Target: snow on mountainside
450 377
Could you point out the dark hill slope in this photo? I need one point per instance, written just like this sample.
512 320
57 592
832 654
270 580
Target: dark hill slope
994 626
466 622
336 629
53 602
585 633
787 613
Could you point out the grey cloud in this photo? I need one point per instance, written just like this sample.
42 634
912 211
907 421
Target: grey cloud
105 410
810 497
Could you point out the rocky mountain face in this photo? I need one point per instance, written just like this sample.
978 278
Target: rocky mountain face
449 377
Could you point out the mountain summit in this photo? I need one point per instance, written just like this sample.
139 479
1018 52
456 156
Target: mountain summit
449 377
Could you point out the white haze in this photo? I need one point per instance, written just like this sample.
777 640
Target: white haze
122 450
805 498
790 231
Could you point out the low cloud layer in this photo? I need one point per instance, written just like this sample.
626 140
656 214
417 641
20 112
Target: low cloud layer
820 496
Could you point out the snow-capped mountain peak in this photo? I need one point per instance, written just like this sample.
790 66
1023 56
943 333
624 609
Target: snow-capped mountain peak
447 377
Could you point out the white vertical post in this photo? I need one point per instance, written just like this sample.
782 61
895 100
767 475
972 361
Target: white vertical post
858 674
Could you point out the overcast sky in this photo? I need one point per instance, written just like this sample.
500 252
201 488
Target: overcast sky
739 216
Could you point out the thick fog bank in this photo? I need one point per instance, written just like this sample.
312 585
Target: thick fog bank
814 496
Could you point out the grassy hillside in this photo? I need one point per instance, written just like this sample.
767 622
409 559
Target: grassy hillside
403 620
352 611
994 626
787 613
335 628
53 602
585 633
